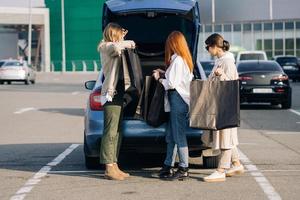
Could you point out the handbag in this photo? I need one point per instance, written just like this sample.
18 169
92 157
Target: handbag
214 105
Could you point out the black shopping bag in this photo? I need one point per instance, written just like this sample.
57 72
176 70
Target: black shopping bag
156 114
214 105
151 104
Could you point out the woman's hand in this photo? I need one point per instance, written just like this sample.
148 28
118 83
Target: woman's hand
156 75
219 72
159 70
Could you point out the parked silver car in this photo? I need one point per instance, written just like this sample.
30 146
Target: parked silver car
16 70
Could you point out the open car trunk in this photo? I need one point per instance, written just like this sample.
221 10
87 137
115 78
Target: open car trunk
149 24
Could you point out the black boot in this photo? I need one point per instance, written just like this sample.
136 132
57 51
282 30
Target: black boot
181 174
165 172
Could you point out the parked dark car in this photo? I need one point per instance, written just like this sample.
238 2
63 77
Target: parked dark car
290 65
207 65
264 81
149 23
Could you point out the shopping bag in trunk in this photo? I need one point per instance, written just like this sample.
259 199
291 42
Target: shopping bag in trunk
214 105
156 114
151 104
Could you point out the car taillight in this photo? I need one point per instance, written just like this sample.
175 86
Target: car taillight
245 78
95 101
280 90
280 78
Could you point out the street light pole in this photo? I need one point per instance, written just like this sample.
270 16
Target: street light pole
29 33
213 14
63 36
271 9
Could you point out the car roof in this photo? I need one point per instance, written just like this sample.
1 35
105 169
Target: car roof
249 52
284 56
123 6
257 62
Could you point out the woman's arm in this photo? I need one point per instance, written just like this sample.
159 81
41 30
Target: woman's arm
115 48
175 74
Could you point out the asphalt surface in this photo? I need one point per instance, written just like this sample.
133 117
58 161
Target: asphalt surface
41 151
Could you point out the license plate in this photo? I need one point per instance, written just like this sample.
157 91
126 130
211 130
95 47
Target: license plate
262 90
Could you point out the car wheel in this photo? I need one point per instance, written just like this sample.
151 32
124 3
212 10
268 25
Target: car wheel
8 82
287 104
92 163
274 103
210 162
32 81
1 82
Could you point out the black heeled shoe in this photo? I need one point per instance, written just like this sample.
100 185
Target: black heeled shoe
181 174
165 172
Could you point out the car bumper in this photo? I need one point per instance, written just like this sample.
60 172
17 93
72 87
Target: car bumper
137 136
247 95
13 76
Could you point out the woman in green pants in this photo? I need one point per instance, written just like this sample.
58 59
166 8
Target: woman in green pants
112 97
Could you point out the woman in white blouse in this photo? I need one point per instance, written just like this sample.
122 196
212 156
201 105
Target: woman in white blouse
176 82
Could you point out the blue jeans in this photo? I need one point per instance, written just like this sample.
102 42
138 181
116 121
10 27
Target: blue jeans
176 137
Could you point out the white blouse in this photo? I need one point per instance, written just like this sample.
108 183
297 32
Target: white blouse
179 77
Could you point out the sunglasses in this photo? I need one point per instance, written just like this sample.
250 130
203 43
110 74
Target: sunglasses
207 47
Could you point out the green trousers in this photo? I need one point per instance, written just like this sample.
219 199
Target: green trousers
112 133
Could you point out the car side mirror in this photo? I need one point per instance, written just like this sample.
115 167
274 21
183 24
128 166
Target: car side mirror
89 85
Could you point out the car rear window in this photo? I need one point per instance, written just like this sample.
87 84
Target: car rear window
252 56
287 61
13 64
270 66
207 65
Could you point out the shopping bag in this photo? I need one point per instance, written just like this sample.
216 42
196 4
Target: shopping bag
214 105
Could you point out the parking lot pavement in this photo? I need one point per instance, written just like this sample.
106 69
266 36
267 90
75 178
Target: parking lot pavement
41 151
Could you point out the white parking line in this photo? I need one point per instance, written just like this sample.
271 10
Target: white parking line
29 185
259 178
24 110
294 111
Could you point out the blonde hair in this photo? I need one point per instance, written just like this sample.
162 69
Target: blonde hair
176 43
113 32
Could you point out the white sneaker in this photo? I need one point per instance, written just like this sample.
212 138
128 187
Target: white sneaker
215 177
235 170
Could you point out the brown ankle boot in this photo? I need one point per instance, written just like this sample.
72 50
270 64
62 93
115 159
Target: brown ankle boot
112 174
125 175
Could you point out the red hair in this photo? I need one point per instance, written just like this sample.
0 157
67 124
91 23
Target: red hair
176 43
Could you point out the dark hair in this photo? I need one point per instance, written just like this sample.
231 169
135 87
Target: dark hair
217 40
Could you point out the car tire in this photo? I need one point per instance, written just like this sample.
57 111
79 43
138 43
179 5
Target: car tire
27 81
32 81
287 104
210 162
92 163
1 82
8 82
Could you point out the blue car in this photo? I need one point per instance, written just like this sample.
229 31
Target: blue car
149 23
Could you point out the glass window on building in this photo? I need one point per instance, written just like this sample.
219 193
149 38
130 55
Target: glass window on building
278 46
257 27
298 47
278 26
298 25
268 26
289 25
227 27
289 46
247 27
237 27
218 28
259 44
208 28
